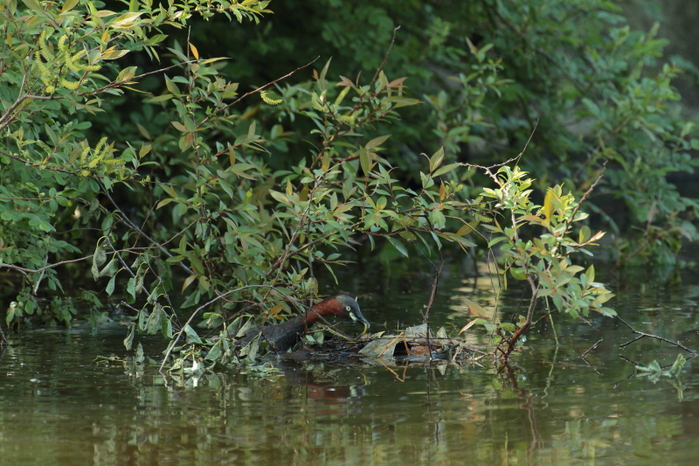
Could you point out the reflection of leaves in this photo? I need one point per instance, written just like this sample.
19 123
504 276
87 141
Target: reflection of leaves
654 371
677 366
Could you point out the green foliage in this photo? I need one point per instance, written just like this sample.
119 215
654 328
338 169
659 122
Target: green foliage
56 67
599 93
201 197
544 261
654 372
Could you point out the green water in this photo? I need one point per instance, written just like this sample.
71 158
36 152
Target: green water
58 407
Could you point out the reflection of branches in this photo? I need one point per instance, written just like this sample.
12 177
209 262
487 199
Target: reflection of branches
654 371
525 395
635 371
3 339
433 293
650 335
591 348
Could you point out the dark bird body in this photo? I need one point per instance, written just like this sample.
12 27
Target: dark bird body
283 336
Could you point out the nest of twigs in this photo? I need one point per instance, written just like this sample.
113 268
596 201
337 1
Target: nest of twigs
417 344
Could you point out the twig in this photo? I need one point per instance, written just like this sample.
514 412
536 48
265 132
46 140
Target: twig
650 335
582 199
542 317
631 375
433 293
592 347
385 57
395 374
20 98
264 86
140 232
114 84
513 159
592 366
435 284
25 271
41 276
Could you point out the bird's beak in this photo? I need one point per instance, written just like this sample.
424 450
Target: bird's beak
358 317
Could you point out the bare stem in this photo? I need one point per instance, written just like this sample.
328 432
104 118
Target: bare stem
642 335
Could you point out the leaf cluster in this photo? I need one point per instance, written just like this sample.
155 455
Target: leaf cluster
210 205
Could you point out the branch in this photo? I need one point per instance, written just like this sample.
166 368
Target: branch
6 117
140 232
650 335
591 348
115 84
172 345
205 120
385 57
513 159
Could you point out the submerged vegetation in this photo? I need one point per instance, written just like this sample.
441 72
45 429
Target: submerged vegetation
131 153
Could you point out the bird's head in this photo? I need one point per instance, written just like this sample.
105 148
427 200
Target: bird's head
348 308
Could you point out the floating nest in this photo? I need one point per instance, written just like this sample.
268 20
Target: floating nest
414 344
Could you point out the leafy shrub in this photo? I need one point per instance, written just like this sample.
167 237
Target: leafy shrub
199 193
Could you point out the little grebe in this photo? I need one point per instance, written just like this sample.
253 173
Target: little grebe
283 336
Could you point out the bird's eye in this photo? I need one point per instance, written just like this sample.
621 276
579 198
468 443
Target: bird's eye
348 309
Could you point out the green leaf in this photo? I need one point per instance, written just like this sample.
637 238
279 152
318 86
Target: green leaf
99 258
677 366
67 6
476 310
437 219
33 5
192 336
376 142
398 245
153 325
365 161
584 234
251 131
127 20
215 352
188 281
109 289
468 228
436 159
591 273
110 269
131 287
548 207
167 329
324 71
402 101
446 169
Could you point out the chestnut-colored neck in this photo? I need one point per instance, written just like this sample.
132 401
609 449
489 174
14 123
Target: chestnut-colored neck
326 308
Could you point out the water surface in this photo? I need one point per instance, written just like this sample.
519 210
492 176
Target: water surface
59 407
